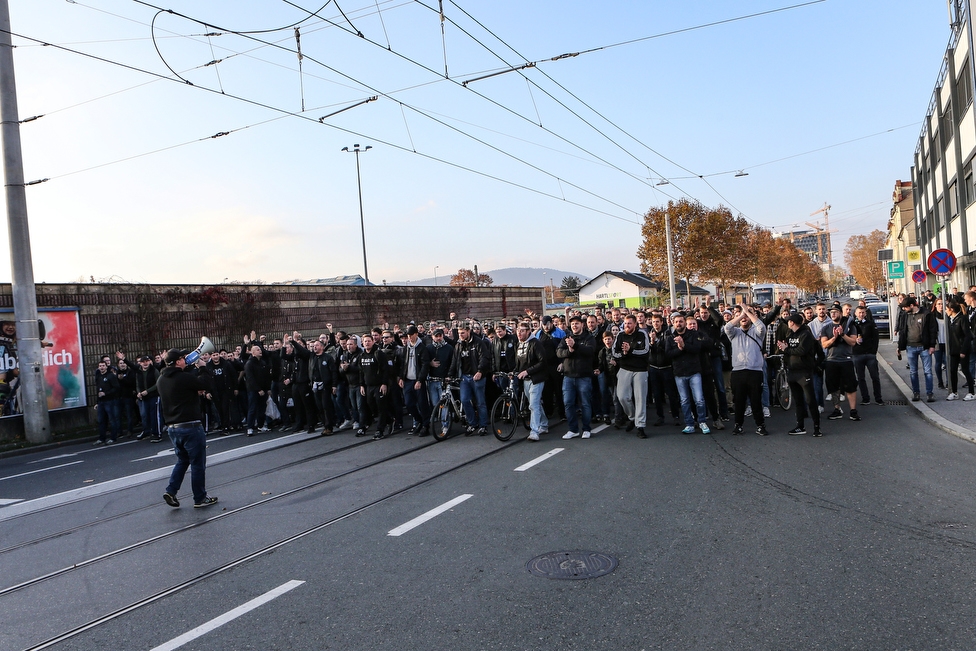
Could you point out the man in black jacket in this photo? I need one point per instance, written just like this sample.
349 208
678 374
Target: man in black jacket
577 352
414 365
630 350
866 355
376 376
684 349
148 399
180 403
257 379
918 335
800 356
530 367
472 363
109 392
322 373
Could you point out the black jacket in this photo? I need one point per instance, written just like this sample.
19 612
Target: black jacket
530 357
580 361
257 376
801 350
930 330
470 357
868 332
685 361
107 383
178 396
422 361
146 380
444 355
503 353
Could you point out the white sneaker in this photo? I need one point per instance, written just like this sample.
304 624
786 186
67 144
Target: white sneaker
346 424
765 412
748 412
820 409
570 435
356 426
952 396
586 435
263 429
969 397
533 436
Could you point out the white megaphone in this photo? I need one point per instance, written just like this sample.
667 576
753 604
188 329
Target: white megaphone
206 346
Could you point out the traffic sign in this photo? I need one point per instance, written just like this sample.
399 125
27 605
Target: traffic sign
896 269
913 255
942 262
918 276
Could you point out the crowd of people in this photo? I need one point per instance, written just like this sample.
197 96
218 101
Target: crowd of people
617 366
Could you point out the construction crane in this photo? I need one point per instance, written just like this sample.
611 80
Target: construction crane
820 232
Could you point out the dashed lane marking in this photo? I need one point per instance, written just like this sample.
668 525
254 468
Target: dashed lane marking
429 515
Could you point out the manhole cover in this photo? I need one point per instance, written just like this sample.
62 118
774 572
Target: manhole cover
572 565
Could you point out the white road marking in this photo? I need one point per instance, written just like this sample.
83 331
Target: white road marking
229 616
538 460
599 429
429 515
40 470
162 453
112 485
60 456
6 502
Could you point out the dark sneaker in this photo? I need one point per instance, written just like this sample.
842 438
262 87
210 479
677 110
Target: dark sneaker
737 430
929 398
630 426
640 433
659 422
207 501
854 415
379 435
836 414
916 397
470 431
761 431
797 431
360 432
482 431
817 432
879 402
171 500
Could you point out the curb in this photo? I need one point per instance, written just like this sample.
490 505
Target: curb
922 408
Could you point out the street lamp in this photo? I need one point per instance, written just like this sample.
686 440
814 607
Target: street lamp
436 267
362 222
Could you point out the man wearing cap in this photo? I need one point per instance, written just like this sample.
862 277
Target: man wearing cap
800 357
180 405
918 335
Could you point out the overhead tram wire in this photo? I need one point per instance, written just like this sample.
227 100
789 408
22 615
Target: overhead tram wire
439 76
581 101
310 119
386 95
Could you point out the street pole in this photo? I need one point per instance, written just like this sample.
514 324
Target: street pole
32 394
667 235
362 220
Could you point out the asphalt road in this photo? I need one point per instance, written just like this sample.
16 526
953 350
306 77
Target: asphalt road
864 539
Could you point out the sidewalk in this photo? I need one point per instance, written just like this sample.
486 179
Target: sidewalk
957 417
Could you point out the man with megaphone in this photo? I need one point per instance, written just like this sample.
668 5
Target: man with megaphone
179 395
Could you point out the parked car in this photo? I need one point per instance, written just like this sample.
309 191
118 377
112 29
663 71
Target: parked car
871 298
879 312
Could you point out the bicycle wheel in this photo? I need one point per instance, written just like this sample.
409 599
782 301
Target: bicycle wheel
525 415
783 390
442 421
504 418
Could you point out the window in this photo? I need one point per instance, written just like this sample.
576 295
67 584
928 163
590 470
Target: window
953 201
945 123
967 186
941 218
936 148
964 86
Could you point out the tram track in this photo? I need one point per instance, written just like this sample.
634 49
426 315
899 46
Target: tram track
182 585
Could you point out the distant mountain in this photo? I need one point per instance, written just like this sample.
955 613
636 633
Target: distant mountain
516 276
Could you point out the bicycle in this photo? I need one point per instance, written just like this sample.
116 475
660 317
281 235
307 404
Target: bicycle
781 384
448 410
509 409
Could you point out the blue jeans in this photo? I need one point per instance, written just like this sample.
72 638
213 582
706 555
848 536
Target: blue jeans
148 408
474 391
415 402
573 387
538 422
190 444
690 386
914 352
434 392
108 417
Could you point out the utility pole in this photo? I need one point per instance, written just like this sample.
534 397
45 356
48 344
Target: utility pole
667 238
32 394
362 220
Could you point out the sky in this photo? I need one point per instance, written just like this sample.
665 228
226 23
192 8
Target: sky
549 166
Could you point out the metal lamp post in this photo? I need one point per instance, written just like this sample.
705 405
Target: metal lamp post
362 220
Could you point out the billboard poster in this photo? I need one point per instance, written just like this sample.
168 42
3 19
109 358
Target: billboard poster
64 377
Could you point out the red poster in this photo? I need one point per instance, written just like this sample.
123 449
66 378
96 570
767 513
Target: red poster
64 376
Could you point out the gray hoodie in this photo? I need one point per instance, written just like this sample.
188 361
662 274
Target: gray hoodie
747 352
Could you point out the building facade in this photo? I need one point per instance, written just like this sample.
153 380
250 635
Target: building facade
942 170
901 235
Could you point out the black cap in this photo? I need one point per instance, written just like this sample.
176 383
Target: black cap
547 319
174 354
797 319
576 317
412 330
144 358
